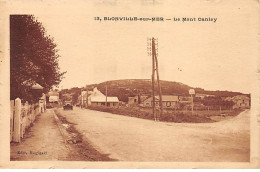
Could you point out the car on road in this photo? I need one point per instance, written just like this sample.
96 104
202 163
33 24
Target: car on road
67 105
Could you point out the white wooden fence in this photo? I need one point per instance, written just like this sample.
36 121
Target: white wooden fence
21 117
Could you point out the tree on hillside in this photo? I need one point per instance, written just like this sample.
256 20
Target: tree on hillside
33 58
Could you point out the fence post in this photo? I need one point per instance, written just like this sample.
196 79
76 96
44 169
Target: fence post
11 119
26 115
17 118
22 121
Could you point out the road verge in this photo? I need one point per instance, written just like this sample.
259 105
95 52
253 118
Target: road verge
79 148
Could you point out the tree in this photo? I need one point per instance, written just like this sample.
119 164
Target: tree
217 102
33 58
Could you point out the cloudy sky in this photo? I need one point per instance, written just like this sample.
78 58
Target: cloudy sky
215 56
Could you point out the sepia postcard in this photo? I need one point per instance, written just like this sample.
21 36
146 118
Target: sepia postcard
135 84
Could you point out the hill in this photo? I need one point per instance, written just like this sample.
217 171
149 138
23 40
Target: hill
131 87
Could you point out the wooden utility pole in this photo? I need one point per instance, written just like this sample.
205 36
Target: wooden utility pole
158 80
153 101
155 68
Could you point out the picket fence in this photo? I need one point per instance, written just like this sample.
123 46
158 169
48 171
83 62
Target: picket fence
21 118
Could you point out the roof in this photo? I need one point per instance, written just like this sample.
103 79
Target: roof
168 98
34 85
103 99
96 93
240 97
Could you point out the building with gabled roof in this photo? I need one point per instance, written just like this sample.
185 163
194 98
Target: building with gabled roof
97 98
240 101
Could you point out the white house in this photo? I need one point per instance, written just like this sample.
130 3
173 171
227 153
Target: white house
97 98
53 97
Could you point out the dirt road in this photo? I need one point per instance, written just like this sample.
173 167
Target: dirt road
133 139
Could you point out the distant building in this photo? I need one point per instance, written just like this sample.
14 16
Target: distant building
101 101
185 99
241 102
53 99
133 100
202 96
97 98
53 96
168 101
143 98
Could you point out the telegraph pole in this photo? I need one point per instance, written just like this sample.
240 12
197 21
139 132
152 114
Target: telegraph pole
153 51
149 49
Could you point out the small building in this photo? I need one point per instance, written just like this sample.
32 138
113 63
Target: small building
133 100
168 101
136 100
102 101
202 96
53 96
97 98
241 102
53 99
185 99
143 98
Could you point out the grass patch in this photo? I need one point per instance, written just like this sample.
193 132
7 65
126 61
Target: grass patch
177 116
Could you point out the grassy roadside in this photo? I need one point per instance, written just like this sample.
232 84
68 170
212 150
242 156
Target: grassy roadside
171 115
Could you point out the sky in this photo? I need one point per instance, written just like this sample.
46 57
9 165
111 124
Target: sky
213 56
